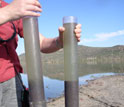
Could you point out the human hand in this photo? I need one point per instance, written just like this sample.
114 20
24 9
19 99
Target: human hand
20 8
77 32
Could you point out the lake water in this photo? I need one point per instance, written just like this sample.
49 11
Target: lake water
55 88
92 63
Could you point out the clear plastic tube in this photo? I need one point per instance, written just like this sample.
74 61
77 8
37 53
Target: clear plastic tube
70 48
33 62
70 62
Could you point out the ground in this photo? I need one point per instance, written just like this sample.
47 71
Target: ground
102 92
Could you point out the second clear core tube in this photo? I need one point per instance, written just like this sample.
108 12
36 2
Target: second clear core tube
70 62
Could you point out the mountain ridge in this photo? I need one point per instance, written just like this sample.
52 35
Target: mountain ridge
90 60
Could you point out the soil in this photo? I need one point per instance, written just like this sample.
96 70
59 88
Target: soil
102 92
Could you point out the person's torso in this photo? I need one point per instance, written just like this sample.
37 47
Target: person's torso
8 57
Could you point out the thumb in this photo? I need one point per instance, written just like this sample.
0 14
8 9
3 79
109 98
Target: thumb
61 30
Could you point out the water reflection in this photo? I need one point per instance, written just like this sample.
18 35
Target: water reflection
92 62
55 88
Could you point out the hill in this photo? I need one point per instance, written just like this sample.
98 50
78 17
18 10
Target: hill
90 60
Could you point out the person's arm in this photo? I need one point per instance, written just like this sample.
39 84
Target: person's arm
18 9
4 17
49 45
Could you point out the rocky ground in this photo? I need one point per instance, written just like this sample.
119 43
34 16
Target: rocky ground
103 92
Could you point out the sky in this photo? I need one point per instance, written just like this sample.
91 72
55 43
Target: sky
102 20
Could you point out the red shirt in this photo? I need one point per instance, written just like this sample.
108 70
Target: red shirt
8 55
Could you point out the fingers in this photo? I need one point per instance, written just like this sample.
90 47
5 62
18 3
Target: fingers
78 29
36 3
77 32
34 8
78 37
78 26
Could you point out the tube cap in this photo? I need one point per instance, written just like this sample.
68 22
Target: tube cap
69 19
